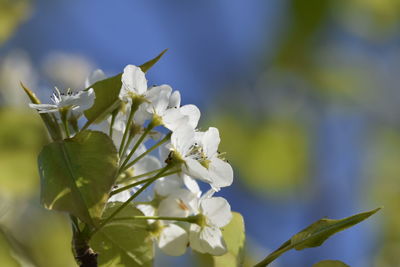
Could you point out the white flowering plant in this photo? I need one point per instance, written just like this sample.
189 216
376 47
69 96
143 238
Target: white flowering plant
125 162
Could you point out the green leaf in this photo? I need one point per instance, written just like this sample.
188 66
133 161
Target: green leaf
316 234
234 236
330 263
77 174
106 100
107 92
123 242
146 66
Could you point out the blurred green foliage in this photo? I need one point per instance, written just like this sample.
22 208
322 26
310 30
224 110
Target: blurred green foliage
385 187
29 235
21 137
272 156
12 13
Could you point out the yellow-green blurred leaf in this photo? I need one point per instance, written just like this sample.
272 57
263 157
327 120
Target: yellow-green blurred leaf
6 258
21 136
272 157
12 13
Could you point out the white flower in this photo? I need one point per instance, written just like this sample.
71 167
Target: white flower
118 127
134 83
169 184
198 151
220 171
68 101
164 107
191 111
171 238
183 147
206 237
120 197
180 203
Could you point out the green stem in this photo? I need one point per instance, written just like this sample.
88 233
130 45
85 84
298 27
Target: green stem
127 179
64 119
75 224
109 218
134 107
57 127
126 166
128 143
113 116
119 190
137 144
74 123
274 255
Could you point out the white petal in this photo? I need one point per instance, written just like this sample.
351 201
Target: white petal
159 98
212 241
178 204
175 100
94 77
141 115
207 240
173 240
121 197
119 122
194 238
191 184
208 194
182 139
217 210
173 119
146 164
171 207
148 210
195 169
167 185
164 151
85 100
193 113
221 173
210 141
134 80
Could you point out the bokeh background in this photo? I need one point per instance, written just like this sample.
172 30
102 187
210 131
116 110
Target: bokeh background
305 93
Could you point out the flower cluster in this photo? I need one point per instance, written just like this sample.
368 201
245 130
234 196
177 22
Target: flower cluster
148 119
